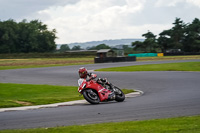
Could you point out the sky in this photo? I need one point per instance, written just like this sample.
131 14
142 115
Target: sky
96 20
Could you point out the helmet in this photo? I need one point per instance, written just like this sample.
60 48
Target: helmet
82 72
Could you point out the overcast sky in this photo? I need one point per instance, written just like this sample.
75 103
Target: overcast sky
94 20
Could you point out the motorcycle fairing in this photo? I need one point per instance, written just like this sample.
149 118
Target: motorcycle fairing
103 93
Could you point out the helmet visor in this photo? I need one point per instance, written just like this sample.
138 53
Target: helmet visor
82 74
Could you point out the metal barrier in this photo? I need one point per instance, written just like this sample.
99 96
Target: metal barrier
146 54
114 59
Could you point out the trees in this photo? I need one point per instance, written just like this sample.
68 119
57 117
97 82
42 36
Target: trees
25 37
64 48
139 45
172 38
150 41
100 46
8 36
76 48
164 40
177 34
181 36
149 44
191 41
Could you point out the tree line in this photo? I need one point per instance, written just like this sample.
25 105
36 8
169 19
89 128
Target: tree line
26 37
182 36
34 36
65 47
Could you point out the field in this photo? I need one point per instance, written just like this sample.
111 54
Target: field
185 66
16 95
168 58
50 62
170 125
42 62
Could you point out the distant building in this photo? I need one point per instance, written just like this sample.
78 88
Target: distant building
102 53
108 55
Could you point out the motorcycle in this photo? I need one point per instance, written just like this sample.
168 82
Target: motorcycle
96 91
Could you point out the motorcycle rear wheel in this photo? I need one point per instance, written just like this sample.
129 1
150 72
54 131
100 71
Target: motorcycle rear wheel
119 95
91 96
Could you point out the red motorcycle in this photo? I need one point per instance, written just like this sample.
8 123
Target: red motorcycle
96 91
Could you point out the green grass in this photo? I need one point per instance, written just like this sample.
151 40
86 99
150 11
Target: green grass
160 58
38 66
170 125
16 95
35 94
126 91
42 62
185 66
51 62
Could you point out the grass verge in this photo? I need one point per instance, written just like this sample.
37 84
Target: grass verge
159 58
185 66
50 62
170 125
42 62
16 95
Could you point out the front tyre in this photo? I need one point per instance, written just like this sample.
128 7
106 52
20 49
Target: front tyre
91 96
119 95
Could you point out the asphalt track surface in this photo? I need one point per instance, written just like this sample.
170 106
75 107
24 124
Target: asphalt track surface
166 94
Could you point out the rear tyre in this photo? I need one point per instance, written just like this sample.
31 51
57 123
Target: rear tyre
119 95
91 96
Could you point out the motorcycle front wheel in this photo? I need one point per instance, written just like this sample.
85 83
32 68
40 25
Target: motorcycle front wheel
91 96
119 95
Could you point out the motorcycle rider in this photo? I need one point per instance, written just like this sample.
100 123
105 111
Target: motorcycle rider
108 92
83 73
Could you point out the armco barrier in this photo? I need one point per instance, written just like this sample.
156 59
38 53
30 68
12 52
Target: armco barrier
114 59
143 54
160 54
